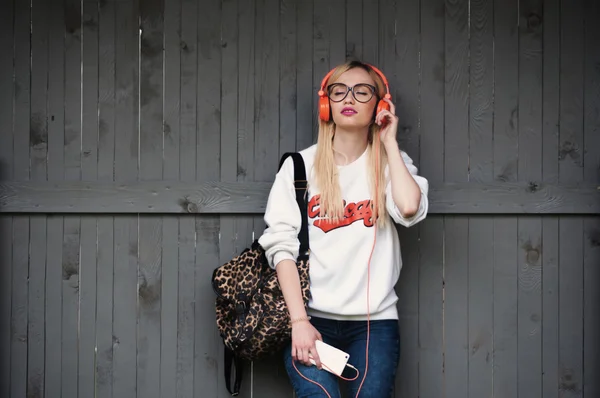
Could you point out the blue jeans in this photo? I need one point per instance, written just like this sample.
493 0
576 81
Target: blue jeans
351 337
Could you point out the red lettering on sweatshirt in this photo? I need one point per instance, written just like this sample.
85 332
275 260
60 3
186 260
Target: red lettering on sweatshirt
352 212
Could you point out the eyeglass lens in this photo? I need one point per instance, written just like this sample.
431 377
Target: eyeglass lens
361 92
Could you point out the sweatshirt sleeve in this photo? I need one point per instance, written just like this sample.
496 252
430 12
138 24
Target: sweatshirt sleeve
282 217
423 204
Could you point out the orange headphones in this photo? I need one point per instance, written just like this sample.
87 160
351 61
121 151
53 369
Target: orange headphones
324 109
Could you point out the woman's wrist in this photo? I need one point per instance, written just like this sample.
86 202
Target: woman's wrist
300 319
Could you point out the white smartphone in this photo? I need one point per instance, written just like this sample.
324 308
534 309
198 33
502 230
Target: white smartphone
333 359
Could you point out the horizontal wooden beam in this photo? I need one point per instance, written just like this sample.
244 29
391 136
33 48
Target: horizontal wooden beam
251 197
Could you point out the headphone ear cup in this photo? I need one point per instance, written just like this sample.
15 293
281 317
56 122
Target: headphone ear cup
382 105
324 111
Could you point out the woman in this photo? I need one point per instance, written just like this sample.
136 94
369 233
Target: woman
355 258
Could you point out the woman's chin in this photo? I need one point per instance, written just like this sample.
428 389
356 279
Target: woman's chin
351 124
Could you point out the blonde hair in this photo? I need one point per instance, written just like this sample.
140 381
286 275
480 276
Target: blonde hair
325 169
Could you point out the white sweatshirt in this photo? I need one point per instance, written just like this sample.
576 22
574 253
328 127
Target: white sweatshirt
339 254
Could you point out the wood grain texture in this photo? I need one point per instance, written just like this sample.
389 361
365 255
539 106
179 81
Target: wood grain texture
38 151
89 171
591 225
186 122
431 232
550 225
481 229
505 160
55 224
529 167
126 235
250 197
151 147
6 166
105 225
172 39
207 347
571 283
21 226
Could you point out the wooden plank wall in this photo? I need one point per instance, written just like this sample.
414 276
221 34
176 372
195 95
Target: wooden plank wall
120 305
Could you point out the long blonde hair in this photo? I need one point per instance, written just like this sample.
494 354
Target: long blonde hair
325 169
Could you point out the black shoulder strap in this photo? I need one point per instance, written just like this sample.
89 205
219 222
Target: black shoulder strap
232 360
301 184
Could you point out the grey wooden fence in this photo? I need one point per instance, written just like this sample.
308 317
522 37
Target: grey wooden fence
138 139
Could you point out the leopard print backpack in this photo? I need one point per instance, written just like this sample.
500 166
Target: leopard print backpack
251 314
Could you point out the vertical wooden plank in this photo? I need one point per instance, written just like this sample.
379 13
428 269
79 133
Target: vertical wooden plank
170 228
456 92
550 225
387 42
245 139
20 258
505 309
89 171
5 285
106 158
370 31
287 76
208 160
591 256
550 298
54 259
72 224
6 166
229 135
431 161
151 168
38 141
124 374
269 376
187 229
320 57
591 115
456 281
337 32
456 265
481 229
229 98
570 332
591 300
18 354
571 228
405 94
354 40
505 155
530 228
481 305
306 123
481 86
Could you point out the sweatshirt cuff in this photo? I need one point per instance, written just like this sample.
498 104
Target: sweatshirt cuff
282 255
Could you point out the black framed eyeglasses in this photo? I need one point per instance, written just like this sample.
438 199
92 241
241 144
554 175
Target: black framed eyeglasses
361 92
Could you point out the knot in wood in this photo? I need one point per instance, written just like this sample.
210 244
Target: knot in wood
533 186
533 21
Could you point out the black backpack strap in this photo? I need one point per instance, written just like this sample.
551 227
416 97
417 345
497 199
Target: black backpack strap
301 186
232 360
